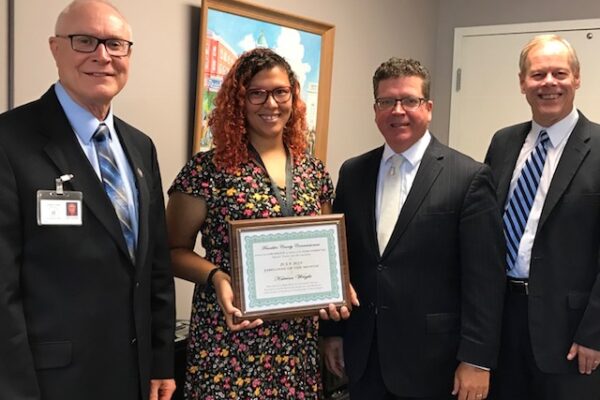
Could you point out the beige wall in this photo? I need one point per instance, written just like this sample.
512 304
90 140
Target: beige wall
157 95
462 13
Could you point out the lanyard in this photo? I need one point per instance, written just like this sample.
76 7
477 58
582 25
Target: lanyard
285 204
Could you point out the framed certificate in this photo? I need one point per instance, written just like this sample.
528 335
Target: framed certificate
288 267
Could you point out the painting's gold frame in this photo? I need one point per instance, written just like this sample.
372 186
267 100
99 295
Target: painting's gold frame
248 10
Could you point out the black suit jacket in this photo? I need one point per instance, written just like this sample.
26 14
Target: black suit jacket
564 277
79 319
434 297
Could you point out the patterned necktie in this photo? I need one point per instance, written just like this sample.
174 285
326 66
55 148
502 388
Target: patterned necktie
390 202
520 202
113 185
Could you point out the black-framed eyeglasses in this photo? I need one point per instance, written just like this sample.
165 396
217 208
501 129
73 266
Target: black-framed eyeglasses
408 103
260 96
89 44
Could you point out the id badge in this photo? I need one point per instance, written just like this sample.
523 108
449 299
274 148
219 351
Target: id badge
59 207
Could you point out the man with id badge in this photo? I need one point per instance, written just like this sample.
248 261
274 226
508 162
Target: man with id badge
86 290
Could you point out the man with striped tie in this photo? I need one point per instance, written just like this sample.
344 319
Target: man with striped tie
548 176
86 290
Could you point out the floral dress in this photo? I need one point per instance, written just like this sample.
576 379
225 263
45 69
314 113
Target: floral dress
279 359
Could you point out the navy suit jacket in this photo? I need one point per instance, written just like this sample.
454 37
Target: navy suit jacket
564 276
79 319
434 297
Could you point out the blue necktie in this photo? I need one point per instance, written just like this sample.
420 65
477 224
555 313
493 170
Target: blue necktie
113 185
520 202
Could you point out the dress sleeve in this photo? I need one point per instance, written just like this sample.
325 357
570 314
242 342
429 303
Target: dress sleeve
196 177
325 186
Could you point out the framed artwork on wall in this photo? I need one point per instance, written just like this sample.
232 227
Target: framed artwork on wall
7 50
230 27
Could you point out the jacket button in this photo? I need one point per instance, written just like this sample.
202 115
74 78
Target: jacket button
134 341
380 267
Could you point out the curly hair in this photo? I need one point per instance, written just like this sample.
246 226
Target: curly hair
400 68
228 119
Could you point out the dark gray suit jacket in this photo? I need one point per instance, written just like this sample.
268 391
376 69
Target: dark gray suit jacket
434 297
564 277
79 319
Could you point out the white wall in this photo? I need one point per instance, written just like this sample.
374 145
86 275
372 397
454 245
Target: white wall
157 96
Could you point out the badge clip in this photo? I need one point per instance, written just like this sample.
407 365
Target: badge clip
59 183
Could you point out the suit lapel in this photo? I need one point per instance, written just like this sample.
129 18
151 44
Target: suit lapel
66 153
137 166
430 168
575 151
369 198
507 165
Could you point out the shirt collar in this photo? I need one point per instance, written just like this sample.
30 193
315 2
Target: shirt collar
82 121
414 154
560 130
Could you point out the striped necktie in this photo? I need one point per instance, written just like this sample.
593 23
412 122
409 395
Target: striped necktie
113 185
519 204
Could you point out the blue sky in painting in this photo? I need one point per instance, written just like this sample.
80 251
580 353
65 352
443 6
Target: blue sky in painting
301 49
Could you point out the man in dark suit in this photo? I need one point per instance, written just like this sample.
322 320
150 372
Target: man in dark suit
86 300
548 176
428 274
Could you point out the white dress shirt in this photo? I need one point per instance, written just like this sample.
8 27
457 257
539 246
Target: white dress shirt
559 134
412 160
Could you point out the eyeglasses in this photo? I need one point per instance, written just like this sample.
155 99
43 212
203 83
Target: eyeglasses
89 44
260 96
409 103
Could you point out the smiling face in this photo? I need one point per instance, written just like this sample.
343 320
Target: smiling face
267 121
549 83
91 79
401 129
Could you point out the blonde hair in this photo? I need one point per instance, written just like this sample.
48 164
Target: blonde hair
541 40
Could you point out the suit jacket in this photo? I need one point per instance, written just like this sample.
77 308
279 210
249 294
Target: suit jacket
79 319
564 276
434 297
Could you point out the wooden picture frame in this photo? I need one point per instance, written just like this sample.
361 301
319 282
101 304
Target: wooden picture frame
288 267
7 15
239 22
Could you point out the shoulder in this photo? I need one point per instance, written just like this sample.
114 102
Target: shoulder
452 156
39 108
131 132
311 162
202 161
585 124
23 118
461 167
357 163
24 126
197 175
511 132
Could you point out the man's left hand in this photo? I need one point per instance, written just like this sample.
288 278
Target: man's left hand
162 389
470 382
588 358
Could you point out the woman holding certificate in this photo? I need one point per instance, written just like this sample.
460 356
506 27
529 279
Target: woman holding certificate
258 169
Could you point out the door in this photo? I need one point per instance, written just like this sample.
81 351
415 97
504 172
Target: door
485 93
